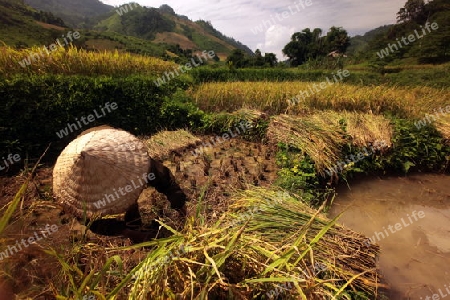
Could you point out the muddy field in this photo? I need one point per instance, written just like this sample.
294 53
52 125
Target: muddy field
211 177
409 217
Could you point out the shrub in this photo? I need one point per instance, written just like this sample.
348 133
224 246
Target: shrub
37 107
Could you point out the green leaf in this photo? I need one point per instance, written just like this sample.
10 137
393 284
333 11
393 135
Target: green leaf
407 165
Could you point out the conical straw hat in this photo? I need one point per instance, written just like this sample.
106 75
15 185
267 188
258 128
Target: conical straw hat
101 172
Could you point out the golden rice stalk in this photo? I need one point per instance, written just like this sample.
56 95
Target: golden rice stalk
363 128
315 135
274 98
74 61
321 135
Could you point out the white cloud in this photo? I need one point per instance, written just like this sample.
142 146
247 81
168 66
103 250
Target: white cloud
275 38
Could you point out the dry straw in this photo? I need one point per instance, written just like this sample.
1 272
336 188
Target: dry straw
317 137
96 164
443 126
322 135
246 261
162 144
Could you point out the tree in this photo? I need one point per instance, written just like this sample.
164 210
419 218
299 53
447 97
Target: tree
270 59
414 10
299 49
258 59
307 44
237 59
435 48
337 39
166 9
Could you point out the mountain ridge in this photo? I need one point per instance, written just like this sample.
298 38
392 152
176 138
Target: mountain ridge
139 29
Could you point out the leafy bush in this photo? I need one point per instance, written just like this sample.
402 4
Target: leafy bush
417 149
35 108
298 174
179 111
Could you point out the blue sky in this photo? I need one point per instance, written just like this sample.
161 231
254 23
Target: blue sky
240 19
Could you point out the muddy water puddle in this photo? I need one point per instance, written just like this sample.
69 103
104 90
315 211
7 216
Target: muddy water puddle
409 217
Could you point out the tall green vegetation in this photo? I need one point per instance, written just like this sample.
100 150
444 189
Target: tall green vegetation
48 103
239 59
309 44
139 21
432 48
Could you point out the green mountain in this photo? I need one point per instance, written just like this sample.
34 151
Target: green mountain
24 26
74 13
413 38
163 26
207 26
144 30
360 43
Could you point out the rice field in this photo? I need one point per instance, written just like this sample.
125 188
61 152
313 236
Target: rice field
276 98
241 239
259 243
74 61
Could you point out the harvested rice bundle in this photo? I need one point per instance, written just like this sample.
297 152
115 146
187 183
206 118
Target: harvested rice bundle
318 138
268 243
322 135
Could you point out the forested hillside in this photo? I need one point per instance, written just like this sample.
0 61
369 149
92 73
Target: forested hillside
429 45
23 26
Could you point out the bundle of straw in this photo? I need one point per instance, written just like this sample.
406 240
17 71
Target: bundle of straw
443 126
318 138
263 247
322 135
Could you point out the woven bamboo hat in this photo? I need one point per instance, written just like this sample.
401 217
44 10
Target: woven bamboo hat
101 172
